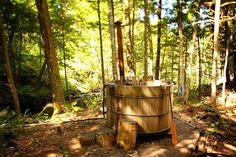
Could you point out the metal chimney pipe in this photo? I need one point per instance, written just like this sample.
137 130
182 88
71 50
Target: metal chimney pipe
120 51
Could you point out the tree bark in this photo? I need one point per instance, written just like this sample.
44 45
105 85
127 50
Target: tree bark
132 36
158 40
225 65
112 38
7 68
150 45
50 53
181 53
195 29
192 49
145 40
20 57
102 62
199 66
129 54
215 53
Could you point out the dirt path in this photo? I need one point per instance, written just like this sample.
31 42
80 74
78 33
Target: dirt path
77 138
43 140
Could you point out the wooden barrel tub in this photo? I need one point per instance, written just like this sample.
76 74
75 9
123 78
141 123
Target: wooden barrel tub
147 105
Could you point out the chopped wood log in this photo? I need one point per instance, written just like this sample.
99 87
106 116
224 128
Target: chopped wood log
127 134
106 137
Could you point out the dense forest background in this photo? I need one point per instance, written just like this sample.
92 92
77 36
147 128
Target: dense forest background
168 40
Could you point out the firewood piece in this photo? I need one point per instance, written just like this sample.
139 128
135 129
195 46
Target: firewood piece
106 137
127 134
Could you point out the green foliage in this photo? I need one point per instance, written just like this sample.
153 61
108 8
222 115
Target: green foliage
34 92
9 125
86 101
78 20
63 152
93 101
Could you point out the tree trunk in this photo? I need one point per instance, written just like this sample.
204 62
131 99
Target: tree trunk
158 41
233 46
199 66
129 54
64 58
112 38
50 53
132 36
215 53
145 40
226 35
172 66
181 53
195 29
7 68
102 62
164 54
20 57
42 70
64 47
150 47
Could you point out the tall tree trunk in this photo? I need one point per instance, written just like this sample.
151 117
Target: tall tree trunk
129 54
195 29
185 64
181 53
55 82
226 35
64 58
233 33
164 53
234 64
199 66
40 51
112 38
132 36
158 40
172 66
192 49
215 54
146 40
42 70
19 57
7 68
150 47
102 62
11 52
63 8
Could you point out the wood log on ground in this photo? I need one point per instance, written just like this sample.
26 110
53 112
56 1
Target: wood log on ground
127 134
106 137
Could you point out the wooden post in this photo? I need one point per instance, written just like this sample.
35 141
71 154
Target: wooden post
127 134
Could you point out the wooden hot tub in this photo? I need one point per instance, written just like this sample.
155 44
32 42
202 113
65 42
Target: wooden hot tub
147 105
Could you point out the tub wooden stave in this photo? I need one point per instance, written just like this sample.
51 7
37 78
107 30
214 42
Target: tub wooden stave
147 105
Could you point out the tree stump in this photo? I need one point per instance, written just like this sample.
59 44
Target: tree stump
127 134
106 137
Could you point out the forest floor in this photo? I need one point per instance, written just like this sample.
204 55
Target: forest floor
76 136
